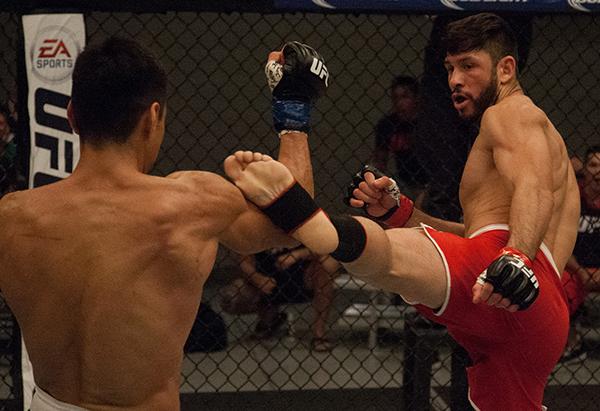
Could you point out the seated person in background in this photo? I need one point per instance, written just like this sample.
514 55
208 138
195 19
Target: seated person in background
281 276
395 135
582 273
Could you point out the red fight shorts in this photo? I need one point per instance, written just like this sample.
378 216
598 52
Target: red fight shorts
512 353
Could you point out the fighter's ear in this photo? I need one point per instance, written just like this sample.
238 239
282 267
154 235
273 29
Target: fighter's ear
156 112
71 118
150 119
507 69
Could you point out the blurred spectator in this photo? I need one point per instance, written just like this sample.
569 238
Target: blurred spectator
583 269
281 276
577 165
395 135
8 152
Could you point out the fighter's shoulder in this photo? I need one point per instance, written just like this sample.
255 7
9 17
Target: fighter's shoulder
513 111
194 179
11 210
203 189
510 119
10 204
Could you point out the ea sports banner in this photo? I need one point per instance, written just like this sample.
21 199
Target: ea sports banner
52 43
424 6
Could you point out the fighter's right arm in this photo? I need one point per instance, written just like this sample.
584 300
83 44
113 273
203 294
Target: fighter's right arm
380 198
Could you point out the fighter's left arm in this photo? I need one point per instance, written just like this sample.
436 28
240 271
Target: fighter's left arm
521 153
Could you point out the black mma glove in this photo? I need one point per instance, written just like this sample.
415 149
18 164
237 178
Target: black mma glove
296 85
512 276
396 216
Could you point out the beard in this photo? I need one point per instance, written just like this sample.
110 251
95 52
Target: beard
486 99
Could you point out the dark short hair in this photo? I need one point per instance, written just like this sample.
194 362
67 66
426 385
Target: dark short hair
591 151
409 82
483 31
114 82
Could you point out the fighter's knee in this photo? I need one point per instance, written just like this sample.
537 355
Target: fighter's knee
376 252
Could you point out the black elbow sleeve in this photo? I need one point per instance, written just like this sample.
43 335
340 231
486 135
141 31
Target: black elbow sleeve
352 238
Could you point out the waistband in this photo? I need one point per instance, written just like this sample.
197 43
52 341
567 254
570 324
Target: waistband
42 401
504 227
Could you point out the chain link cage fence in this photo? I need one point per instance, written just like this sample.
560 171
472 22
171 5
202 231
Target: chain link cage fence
308 336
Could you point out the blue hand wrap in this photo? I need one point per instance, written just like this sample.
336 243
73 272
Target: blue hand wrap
291 115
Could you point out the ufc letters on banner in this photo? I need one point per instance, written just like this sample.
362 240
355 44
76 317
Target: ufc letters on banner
52 43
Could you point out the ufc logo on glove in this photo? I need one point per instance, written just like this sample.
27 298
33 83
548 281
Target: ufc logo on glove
318 68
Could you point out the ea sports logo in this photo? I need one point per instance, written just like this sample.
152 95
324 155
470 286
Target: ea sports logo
53 48
53 54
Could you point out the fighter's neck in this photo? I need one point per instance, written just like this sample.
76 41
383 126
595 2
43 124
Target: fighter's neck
508 90
112 160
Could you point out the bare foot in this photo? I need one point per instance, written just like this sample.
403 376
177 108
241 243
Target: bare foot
263 180
258 176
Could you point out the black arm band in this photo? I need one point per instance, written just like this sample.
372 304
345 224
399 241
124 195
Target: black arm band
352 238
291 209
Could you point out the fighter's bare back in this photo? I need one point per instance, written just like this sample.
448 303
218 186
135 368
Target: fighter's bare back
105 277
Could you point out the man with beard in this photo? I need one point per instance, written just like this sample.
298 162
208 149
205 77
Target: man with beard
520 202
444 138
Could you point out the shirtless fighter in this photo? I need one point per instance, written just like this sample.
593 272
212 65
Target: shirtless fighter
104 270
520 203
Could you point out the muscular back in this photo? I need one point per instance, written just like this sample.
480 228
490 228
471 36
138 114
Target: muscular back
518 173
105 279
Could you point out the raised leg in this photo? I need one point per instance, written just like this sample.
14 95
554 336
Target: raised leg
403 261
